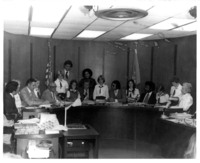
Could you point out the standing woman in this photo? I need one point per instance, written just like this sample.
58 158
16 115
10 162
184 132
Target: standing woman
73 93
61 85
101 89
132 93
87 75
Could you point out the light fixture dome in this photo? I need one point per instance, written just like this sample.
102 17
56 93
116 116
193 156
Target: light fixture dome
121 14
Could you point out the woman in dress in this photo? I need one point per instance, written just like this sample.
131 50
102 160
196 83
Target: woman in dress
132 93
73 93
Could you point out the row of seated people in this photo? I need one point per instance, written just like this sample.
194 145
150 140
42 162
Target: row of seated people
31 96
177 95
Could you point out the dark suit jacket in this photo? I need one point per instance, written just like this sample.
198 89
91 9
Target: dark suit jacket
152 98
81 91
121 97
9 106
70 77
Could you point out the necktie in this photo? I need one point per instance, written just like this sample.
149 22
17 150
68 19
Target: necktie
174 92
60 84
66 74
53 95
38 94
146 98
100 89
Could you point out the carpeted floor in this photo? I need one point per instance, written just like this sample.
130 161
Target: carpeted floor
116 149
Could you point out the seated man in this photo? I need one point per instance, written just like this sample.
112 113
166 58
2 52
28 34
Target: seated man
28 96
50 94
86 92
149 96
10 109
185 99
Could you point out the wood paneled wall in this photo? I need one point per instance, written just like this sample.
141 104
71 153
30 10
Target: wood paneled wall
25 56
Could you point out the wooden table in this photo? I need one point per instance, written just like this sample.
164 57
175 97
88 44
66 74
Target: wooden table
173 138
29 113
89 134
22 142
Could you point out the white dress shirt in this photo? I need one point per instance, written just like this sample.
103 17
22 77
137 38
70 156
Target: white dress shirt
177 90
61 86
36 91
18 101
101 91
185 101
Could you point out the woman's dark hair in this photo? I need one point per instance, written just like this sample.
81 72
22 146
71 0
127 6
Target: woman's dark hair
101 77
118 85
68 62
11 86
71 82
131 80
87 70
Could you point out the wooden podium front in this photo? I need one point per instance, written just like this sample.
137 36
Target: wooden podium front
77 142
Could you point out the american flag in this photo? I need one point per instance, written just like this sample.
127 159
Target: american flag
136 68
48 73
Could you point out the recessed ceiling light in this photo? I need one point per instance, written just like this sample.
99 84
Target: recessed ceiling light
37 31
135 36
121 14
188 27
90 34
171 23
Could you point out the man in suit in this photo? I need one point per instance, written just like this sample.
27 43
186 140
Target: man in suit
28 96
50 94
86 92
67 71
10 109
149 96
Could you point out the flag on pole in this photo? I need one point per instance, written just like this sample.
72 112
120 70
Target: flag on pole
48 73
136 68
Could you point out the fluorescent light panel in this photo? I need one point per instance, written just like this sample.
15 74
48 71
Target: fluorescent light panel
189 27
37 31
90 34
171 23
49 11
13 11
135 36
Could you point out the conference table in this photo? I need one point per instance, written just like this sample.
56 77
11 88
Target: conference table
129 122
